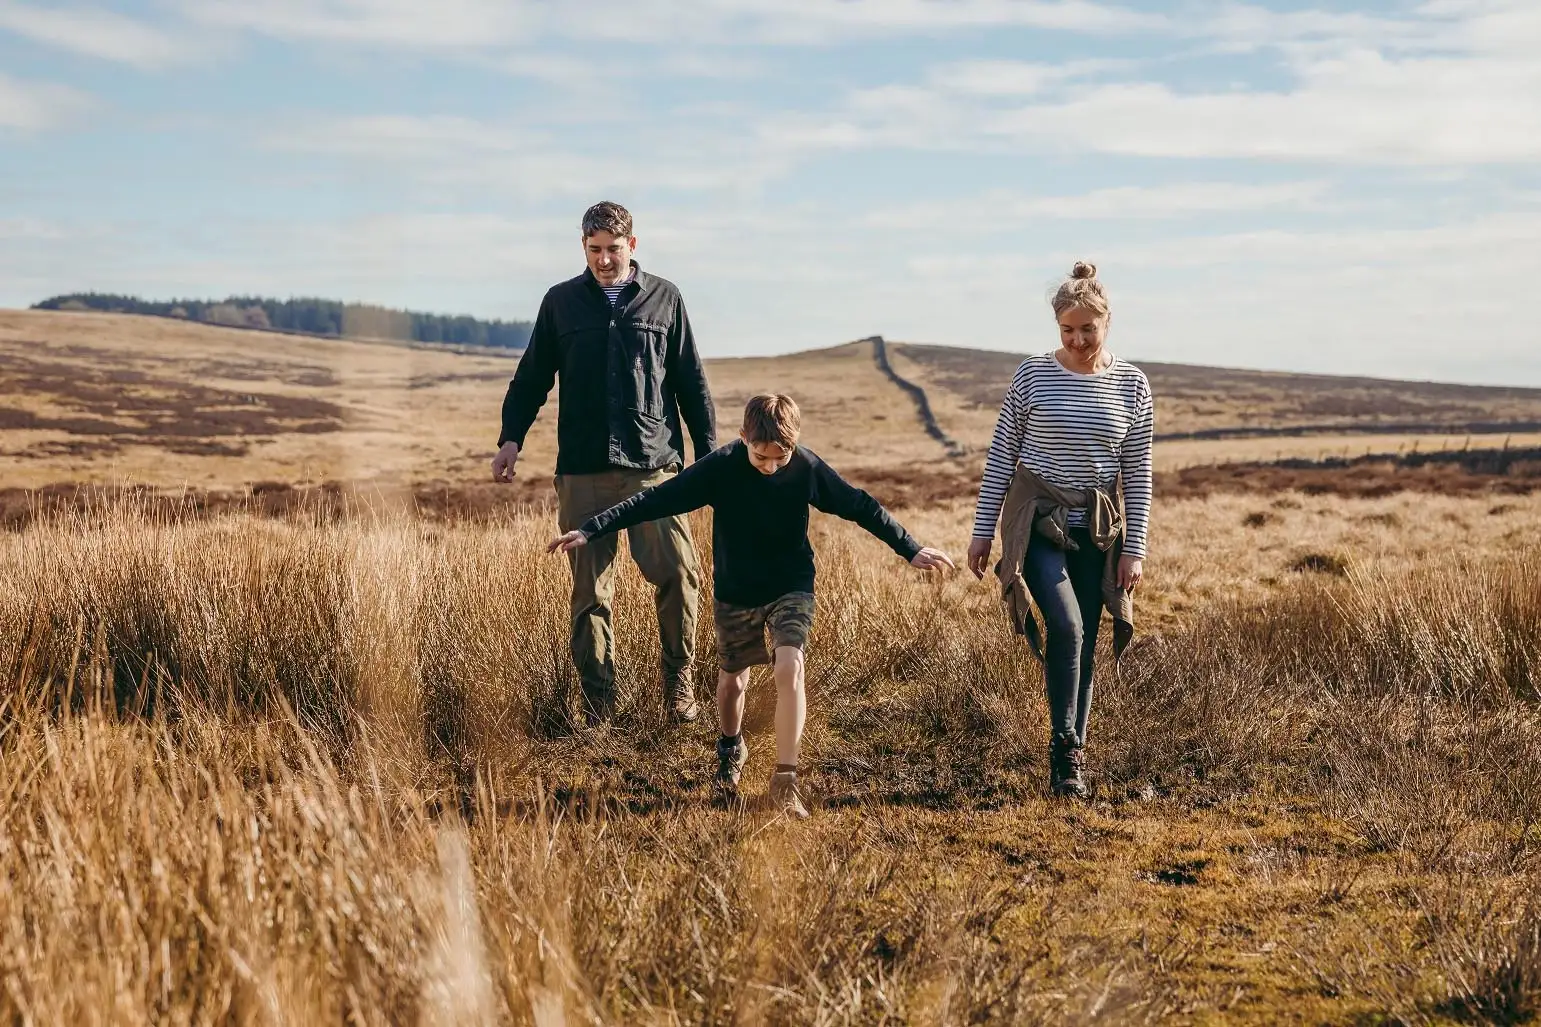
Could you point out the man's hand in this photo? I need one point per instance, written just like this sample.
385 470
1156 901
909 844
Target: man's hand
503 463
929 559
1130 570
979 555
568 542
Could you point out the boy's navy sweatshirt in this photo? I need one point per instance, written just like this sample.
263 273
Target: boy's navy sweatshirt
760 548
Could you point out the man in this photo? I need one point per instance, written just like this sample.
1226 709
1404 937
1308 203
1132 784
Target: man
621 344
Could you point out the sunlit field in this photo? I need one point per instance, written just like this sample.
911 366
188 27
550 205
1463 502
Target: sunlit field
268 770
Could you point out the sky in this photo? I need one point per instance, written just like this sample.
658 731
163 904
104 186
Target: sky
1329 186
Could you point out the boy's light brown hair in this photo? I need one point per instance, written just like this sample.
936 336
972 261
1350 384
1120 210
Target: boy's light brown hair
772 418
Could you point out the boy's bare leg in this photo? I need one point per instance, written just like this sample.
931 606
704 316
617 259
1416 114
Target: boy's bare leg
791 705
732 753
731 689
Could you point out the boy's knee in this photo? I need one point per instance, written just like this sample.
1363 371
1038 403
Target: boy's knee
789 662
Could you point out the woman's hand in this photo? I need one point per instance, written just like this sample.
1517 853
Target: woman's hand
929 559
979 555
1130 570
568 542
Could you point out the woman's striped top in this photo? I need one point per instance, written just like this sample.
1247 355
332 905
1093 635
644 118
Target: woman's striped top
1076 431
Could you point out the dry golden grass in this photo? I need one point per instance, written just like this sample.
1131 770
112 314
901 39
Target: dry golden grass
262 771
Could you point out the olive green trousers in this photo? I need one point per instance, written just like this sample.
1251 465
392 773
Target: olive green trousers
664 554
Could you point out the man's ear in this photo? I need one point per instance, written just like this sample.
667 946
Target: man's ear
631 241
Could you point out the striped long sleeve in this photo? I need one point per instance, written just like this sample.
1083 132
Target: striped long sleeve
1001 461
1135 460
1076 431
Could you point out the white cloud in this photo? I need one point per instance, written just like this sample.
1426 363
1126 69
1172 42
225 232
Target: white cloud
526 164
33 106
92 32
1362 107
465 24
1012 78
480 24
1500 243
1003 210
399 136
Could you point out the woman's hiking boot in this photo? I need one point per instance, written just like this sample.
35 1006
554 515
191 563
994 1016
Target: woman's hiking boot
784 797
732 754
1067 760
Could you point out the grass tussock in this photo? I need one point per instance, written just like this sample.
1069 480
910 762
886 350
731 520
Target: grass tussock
260 771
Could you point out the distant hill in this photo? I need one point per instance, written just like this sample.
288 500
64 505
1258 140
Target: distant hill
1195 402
310 316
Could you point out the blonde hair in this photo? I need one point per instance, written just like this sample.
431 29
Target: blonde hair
1082 289
772 418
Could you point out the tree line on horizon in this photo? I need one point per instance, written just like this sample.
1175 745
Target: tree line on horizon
310 316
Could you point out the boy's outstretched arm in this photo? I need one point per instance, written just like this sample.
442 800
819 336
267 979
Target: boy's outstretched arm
689 490
834 495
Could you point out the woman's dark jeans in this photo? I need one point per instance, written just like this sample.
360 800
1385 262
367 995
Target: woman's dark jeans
1066 586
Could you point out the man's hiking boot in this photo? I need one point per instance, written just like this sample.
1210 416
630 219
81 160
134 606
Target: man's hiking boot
1067 759
731 757
597 710
679 701
784 797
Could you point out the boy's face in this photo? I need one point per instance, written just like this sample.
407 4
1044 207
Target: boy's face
766 457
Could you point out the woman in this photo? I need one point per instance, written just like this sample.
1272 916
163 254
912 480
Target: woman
1069 479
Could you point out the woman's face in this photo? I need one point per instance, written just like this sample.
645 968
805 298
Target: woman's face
1082 332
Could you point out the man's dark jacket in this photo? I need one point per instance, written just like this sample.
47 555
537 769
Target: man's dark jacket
629 374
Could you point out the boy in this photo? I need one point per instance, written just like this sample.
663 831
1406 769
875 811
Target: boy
760 488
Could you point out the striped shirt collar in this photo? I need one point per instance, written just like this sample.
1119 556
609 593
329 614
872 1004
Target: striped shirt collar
613 292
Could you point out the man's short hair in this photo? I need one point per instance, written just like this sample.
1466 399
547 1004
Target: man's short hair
774 419
605 216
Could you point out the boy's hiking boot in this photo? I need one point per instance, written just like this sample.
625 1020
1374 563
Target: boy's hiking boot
1066 761
784 797
679 701
731 757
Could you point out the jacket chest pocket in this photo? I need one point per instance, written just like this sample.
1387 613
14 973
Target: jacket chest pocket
644 345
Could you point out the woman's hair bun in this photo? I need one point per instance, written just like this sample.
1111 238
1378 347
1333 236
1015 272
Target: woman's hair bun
1083 270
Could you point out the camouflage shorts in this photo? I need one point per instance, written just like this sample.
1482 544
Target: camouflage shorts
741 629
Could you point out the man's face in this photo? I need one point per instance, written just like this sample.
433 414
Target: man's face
609 256
767 457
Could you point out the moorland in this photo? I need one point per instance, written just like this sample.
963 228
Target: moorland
287 727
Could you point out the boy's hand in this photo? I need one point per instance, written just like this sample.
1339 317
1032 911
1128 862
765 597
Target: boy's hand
979 555
929 559
568 542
